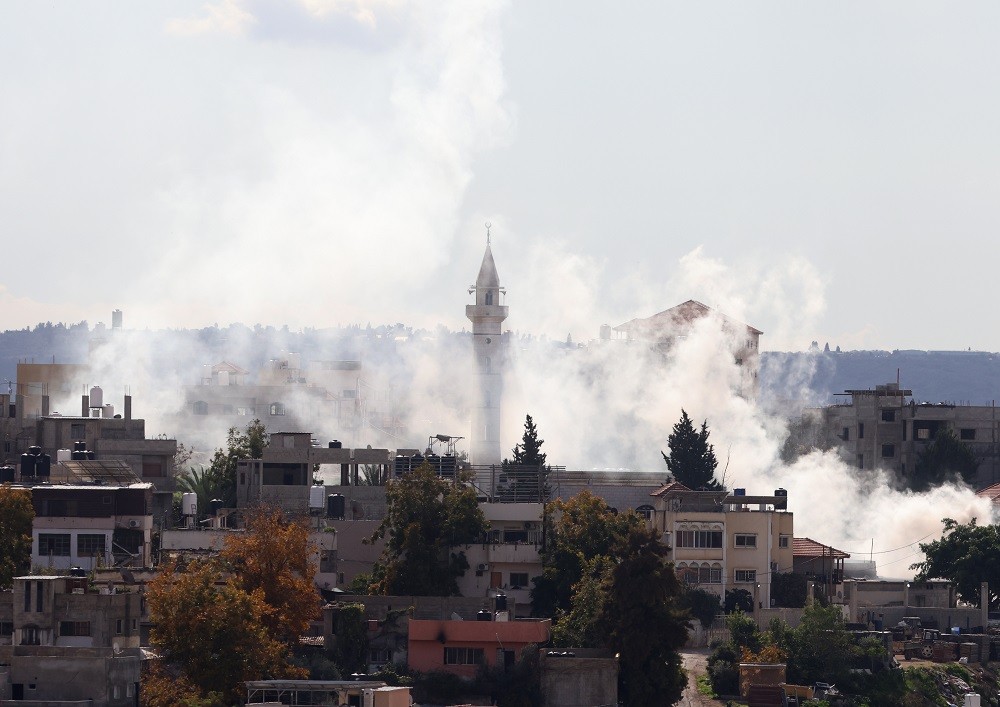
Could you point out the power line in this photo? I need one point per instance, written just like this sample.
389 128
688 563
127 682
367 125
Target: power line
883 552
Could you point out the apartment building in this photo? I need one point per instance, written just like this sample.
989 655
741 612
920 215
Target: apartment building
62 643
721 540
885 427
508 558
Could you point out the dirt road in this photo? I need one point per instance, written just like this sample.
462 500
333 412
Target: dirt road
695 662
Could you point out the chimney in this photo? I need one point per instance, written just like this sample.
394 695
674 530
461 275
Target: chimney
86 406
45 406
128 407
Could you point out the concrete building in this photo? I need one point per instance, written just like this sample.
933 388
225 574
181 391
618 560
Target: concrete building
90 526
284 475
362 693
721 541
487 316
61 643
822 565
887 428
509 558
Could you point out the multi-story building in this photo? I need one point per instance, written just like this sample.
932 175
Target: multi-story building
887 428
62 643
508 558
721 541
664 329
90 526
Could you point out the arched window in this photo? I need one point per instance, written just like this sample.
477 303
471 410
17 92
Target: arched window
489 297
645 511
201 408
277 409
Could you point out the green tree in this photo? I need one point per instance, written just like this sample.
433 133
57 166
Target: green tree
428 520
523 474
16 516
581 626
350 642
738 600
966 555
248 444
821 648
207 485
644 621
692 459
528 452
945 460
789 589
583 526
701 604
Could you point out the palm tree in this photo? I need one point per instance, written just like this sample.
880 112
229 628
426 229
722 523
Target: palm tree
207 484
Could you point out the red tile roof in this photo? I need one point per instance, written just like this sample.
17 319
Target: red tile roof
672 486
807 547
991 492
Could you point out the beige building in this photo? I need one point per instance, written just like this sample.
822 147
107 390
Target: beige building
721 541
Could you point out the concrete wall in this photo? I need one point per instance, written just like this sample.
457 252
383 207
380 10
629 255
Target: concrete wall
576 682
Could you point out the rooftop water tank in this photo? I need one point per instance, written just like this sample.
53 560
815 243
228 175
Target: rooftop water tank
335 506
316 497
6 474
96 397
63 455
189 504
108 411
739 492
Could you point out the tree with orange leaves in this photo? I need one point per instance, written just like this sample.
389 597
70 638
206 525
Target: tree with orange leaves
212 632
273 557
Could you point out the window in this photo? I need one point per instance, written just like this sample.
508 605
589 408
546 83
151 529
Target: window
518 580
744 576
88 545
6 628
888 415
967 434
380 656
277 409
201 408
699 538
861 461
489 297
30 636
645 511
846 434
244 411
118 627
464 656
888 450
923 433
745 540
74 628
782 541
53 544
704 574
861 430
39 596
77 430
228 409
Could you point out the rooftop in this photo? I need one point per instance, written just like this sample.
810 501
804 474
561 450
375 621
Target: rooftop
807 547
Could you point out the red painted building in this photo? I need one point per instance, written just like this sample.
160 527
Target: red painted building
459 647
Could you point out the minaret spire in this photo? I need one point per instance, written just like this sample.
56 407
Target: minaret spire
487 316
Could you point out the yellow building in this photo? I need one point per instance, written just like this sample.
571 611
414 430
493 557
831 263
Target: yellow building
721 540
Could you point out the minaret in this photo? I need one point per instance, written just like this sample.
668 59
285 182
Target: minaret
487 315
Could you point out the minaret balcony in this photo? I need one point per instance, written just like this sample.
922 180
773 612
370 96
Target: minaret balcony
486 311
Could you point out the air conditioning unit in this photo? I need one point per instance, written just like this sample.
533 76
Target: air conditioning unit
133 524
482 567
529 525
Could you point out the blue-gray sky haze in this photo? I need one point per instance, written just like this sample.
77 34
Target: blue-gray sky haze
825 171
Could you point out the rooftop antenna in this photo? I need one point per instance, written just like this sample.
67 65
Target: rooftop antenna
488 227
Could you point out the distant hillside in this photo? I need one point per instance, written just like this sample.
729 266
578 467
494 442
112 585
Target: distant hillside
788 380
812 378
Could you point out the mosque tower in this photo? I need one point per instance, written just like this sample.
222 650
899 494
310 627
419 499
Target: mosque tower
487 316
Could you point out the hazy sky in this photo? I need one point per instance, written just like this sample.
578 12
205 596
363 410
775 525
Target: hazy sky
825 171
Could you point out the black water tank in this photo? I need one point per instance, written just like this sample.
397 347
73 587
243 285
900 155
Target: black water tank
7 474
43 465
80 446
335 506
335 444
214 505
91 455
28 465
35 450
739 492
77 455
484 615
780 492
501 602
77 572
